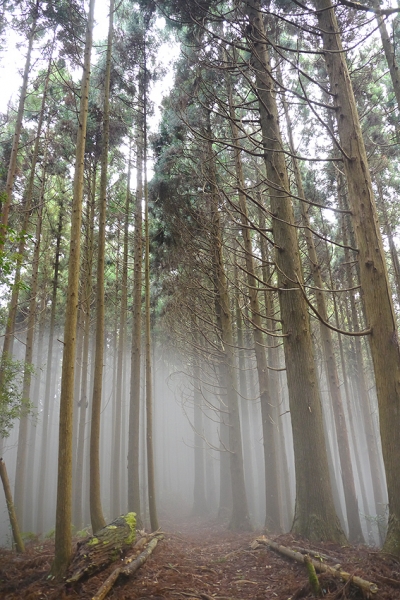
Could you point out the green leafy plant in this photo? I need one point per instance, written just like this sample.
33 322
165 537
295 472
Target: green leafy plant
12 405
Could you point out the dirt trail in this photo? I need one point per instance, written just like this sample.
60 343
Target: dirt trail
203 561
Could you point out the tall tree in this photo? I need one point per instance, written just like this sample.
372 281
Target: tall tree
96 513
377 295
63 539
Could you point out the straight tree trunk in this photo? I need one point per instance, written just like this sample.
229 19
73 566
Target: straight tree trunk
240 519
84 394
134 410
151 479
377 297
352 509
20 474
63 537
96 511
49 380
12 167
273 501
116 452
315 515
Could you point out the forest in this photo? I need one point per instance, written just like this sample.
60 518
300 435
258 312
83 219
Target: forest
200 299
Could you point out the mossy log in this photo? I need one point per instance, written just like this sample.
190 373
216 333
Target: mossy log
366 586
105 547
130 566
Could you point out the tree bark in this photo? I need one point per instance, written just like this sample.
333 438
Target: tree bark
10 507
240 516
273 501
315 515
12 167
63 539
373 273
96 511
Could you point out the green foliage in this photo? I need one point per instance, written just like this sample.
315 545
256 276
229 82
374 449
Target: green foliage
9 260
12 404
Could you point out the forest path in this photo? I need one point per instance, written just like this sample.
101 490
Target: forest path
202 560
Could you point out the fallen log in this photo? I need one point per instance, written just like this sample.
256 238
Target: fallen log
130 566
101 549
366 586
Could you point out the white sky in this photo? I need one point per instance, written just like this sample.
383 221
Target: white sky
12 61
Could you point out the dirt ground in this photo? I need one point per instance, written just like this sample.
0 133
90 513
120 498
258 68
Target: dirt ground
203 560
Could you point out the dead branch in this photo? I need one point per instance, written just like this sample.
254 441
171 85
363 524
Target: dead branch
130 566
365 586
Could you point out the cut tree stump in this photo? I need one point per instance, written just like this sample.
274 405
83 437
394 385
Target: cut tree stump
105 547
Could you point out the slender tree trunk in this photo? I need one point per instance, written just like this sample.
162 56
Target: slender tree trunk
273 517
83 399
96 512
352 510
49 380
200 507
379 310
12 167
151 479
20 473
63 538
135 381
315 515
116 452
240 515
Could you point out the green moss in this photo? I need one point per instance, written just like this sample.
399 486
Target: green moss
130 518
111 527
93 541
312 577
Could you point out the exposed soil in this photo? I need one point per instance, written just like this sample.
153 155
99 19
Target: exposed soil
203 560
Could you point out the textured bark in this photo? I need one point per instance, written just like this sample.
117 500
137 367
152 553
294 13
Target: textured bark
274 362
315 515
240 515
63 538
151 479
83 395
96 511
20 474
49 379
116 450
134 409
373 273
352 509
273 501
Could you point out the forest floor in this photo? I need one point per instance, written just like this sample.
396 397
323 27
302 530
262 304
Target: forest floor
201 560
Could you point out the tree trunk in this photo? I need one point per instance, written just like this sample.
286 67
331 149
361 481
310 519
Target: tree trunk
134 410
273 501
240 516
63 538
352 509
20 474
116 452
96 512
315 515
12 167
49 379
373 273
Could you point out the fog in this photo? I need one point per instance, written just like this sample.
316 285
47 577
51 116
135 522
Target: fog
178 433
